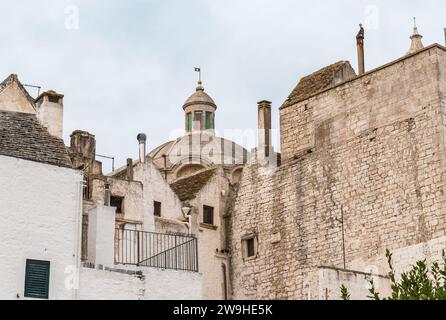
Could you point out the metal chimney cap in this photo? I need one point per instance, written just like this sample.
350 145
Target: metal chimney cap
142 138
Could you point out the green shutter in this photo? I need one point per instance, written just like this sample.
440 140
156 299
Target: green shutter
208 120
189 121
37 279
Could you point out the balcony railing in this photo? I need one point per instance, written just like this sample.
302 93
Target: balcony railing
156 250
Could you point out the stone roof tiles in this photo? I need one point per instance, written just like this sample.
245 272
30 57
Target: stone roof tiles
188 187
22 136
320 81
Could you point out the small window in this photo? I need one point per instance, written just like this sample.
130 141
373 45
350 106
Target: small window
157 209
37 279
208 120
189 121
197 118
208 215
250 248
117 203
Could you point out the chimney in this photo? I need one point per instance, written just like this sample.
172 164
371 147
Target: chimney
264 110
142 138
444 36
50 112
107 195
360 46
129 169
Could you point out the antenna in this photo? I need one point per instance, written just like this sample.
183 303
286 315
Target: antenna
35 87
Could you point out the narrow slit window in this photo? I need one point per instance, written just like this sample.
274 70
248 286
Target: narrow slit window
208 215
189 121
250 248
208 124
157 209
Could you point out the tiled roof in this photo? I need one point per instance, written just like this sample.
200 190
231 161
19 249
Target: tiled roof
188 187
22 136
319 81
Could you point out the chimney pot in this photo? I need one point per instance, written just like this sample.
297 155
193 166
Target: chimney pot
130 169
142 138
264 126
50 112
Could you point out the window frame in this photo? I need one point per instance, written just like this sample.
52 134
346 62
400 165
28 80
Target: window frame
245 249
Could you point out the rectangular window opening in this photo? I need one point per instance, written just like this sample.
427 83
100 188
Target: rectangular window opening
208 120
250 248
117 203
157 208
208 215
189 121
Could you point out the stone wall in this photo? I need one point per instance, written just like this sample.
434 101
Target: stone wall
369 153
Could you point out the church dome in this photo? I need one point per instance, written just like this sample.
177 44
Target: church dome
199 98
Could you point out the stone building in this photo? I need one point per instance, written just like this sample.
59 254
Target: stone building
361 169
48 189
40 201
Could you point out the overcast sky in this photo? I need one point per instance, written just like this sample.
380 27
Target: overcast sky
128 66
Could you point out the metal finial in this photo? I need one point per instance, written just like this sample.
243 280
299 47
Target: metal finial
198 69
414 22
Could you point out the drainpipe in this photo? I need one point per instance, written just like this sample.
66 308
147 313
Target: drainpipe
225 281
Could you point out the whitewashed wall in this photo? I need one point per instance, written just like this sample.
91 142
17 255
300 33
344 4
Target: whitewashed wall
155 284
330 281
40 212
156 189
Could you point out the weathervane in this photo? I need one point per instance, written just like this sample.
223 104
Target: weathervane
198 69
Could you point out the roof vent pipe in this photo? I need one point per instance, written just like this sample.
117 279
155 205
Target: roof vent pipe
142 138
360 46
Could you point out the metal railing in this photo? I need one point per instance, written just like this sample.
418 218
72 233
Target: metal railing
156 250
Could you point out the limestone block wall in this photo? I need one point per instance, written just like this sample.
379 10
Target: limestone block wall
369 153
